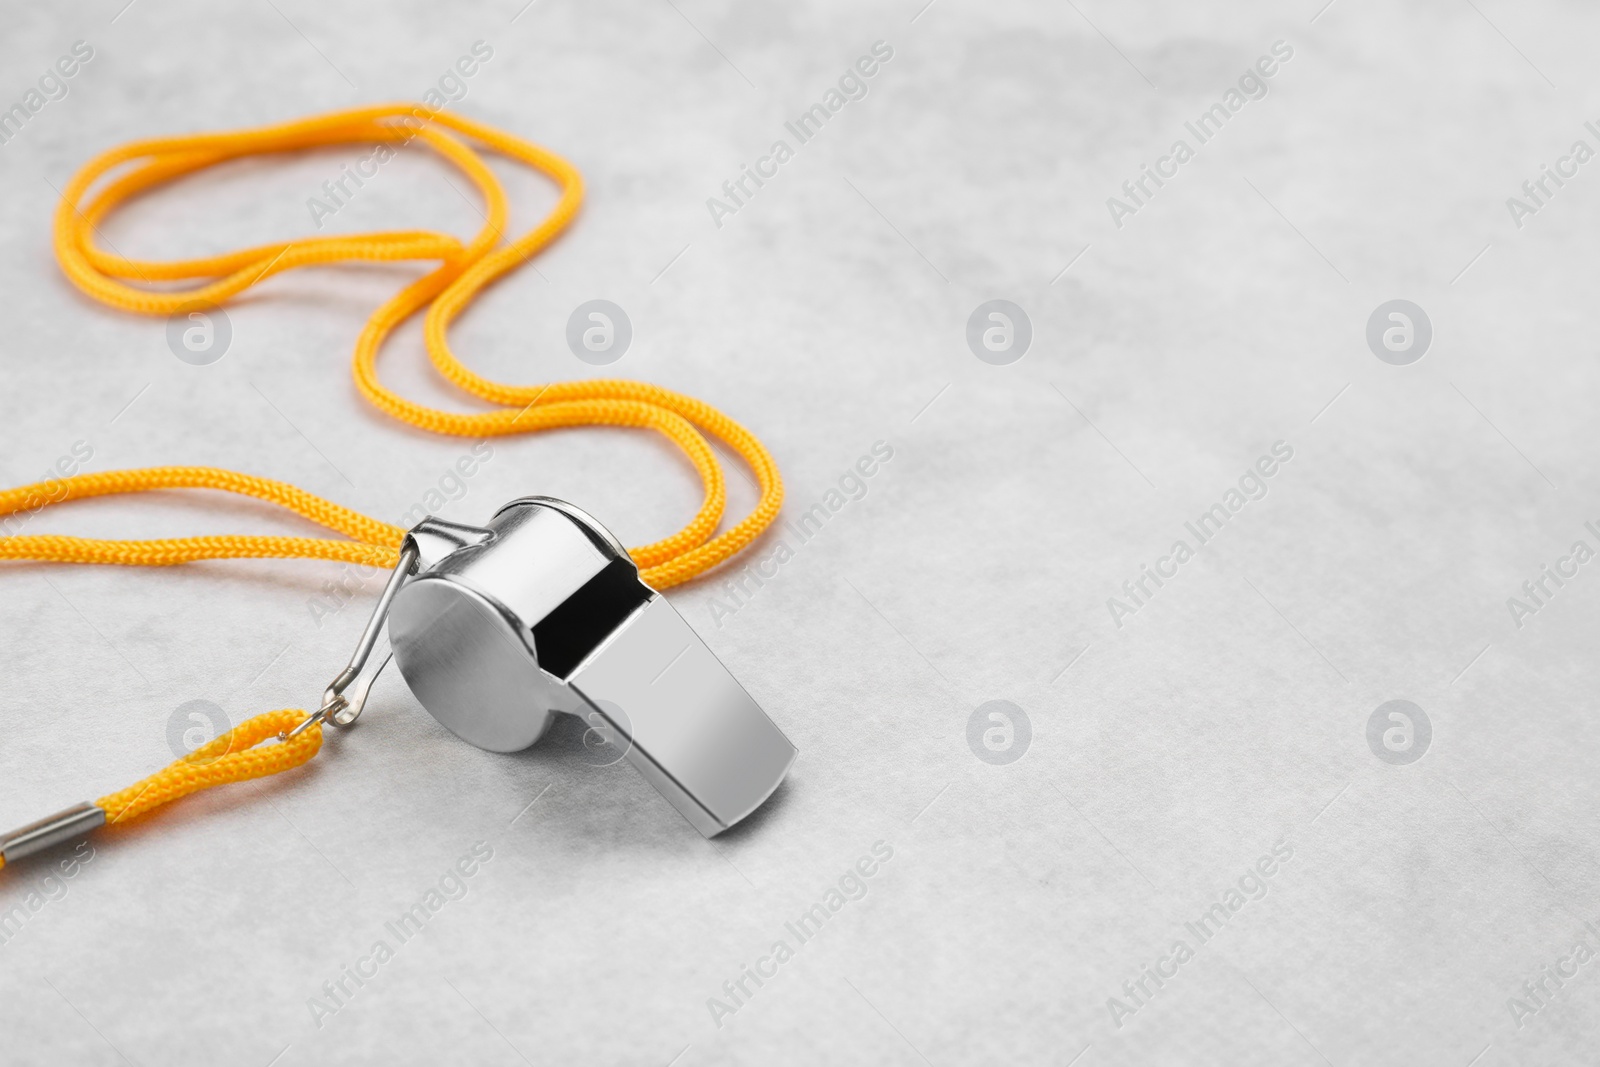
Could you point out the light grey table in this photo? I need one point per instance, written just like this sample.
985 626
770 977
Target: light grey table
1206 853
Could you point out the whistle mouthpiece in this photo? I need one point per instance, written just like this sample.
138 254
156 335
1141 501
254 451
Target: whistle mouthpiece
689 727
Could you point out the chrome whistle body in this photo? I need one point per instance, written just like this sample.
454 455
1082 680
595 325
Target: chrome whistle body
541 611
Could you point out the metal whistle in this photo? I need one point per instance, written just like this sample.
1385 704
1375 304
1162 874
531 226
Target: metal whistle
498 628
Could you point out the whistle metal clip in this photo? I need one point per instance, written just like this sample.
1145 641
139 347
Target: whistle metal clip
497 628
341 704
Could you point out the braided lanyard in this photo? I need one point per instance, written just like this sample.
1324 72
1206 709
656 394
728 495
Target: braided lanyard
463 271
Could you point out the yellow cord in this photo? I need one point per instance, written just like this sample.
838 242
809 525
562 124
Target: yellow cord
464 271
228 757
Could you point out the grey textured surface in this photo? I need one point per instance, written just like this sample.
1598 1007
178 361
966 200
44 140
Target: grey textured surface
1226 717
